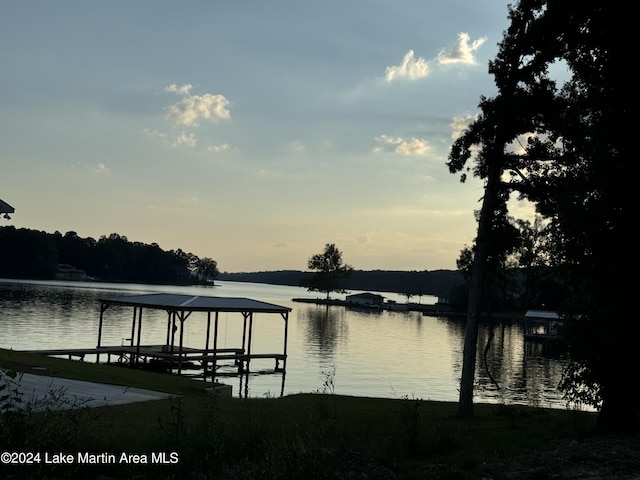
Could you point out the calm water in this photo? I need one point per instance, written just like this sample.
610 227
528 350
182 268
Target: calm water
387 354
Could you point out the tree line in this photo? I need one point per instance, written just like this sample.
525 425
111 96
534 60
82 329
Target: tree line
412 283
33 254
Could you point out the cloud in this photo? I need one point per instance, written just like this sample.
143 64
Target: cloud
186 140
101 169
414 68
180 90
459 125
154 133
415 146
462 51
193 107
411 68
222 147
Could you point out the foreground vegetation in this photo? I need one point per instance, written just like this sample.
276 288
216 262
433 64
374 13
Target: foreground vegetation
317 435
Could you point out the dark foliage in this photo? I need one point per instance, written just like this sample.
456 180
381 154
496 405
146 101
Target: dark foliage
577 162
26 253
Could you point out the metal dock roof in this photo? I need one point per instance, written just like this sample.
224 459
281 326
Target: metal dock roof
197 303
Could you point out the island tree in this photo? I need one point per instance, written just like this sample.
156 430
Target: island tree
330 273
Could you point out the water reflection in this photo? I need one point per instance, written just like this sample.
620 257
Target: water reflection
512 370
325 326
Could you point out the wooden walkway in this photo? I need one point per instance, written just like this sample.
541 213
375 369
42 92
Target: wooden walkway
162 356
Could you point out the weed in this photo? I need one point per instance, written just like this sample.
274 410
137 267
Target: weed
175 429
418 435
327 409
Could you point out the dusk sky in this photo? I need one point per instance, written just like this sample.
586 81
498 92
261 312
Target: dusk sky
251 132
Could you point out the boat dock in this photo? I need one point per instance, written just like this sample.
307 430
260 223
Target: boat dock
173 355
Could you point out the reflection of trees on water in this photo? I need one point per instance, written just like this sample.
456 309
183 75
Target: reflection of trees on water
62 304
455 329
524 373
325 327
497 370
515 371
542 371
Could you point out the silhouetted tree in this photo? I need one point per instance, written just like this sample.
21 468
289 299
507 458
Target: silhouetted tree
206 269
27 253
578 165
330 273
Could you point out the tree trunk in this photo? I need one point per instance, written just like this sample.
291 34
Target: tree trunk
488 210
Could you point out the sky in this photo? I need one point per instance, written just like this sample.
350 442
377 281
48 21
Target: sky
250 132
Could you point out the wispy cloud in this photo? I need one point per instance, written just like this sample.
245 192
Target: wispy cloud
415 146
194 107
180 90
154 133
462 52
186 140
410 67
100 168
222 147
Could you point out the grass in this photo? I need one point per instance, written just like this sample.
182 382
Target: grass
319 435
101 373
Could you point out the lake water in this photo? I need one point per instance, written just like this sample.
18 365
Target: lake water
350 352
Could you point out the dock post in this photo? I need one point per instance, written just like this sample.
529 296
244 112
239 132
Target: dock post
137 359
102 309
206 347
249 342
215 348
285 316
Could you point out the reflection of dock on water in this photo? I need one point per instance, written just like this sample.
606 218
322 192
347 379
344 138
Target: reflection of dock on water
174 355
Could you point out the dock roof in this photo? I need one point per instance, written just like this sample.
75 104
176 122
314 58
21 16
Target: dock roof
197 303
542 314
5 207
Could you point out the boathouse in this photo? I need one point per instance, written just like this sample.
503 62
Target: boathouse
541 325
365 299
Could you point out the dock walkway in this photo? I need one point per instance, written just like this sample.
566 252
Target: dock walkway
162 355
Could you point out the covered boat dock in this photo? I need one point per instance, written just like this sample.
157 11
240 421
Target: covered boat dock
542 325
179 308
174 355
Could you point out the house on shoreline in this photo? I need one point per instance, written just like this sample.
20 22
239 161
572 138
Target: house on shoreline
365 300
69 272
